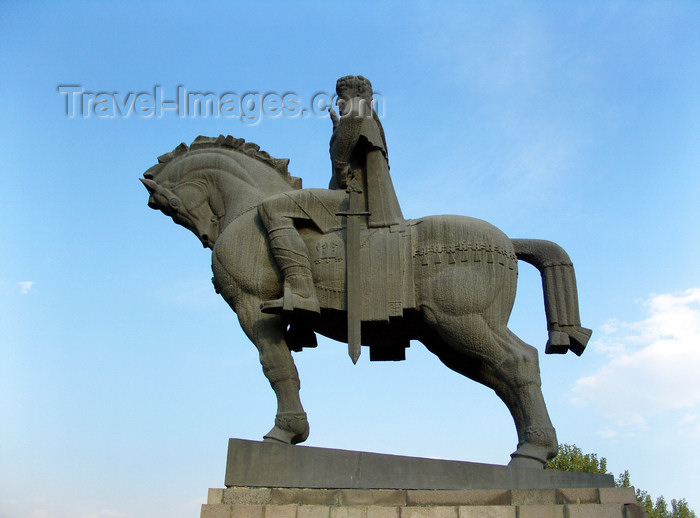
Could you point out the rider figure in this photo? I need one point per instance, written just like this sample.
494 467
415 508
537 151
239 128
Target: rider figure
358 152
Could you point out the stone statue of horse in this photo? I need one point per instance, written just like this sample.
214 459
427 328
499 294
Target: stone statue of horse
462 274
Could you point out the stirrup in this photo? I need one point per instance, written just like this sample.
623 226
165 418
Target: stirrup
291 302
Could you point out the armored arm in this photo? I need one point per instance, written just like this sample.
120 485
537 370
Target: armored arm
346 131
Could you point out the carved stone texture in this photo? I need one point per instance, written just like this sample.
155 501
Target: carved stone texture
344 263
268 480
261 464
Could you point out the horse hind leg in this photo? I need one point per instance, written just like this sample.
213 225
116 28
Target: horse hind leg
537 437
474 370
497 358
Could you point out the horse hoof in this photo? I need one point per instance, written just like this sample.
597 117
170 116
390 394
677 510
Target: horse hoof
579 339
290 428
525 462
528 456
284 436
558 343
567 338
278 435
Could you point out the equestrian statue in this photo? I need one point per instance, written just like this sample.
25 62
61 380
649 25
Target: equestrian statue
343 262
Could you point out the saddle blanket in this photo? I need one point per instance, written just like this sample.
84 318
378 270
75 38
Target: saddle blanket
386 265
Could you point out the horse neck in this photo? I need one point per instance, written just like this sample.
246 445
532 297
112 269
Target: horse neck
241 193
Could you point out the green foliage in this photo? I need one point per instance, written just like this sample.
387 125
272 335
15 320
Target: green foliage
659 509
679 509
623 479
571 458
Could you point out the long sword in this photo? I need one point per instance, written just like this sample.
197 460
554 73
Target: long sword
353 281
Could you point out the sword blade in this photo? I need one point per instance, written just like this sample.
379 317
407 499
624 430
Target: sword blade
353 280
353 286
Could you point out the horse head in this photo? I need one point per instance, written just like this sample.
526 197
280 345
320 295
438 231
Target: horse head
188 204
206 185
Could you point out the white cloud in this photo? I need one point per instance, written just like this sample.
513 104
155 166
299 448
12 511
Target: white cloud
25 287
652 365
609 432
688 418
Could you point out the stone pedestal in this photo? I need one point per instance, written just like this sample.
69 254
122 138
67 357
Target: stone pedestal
246 502
279 481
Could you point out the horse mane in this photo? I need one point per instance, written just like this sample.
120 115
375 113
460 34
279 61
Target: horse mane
250 149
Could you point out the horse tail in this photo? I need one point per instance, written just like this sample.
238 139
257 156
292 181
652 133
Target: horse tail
560 294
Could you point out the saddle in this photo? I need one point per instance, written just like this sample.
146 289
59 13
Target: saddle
386 266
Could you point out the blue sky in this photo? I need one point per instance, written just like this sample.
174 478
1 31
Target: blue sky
123 374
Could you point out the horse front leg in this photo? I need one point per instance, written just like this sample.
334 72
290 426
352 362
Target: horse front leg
266 332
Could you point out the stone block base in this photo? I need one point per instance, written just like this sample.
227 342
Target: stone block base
266 464
270 502
268 480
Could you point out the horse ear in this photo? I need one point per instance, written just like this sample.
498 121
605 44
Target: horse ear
149 184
